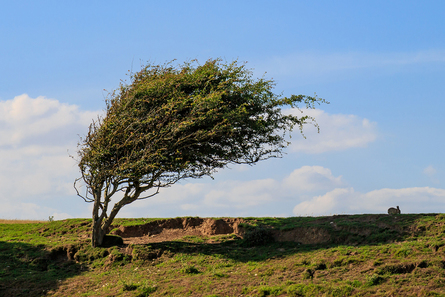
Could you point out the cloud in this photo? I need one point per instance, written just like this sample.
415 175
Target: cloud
25 121
312 178
348 201
337 132
306 191
35 136
239 195
30 211
239 198
36 173
430 170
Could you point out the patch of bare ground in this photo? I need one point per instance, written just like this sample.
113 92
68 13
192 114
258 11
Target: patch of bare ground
320 231
172 229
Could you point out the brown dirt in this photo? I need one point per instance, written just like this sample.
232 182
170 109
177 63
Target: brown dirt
171 229
176 228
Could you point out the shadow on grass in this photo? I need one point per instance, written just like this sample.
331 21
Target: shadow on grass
29 270
233 249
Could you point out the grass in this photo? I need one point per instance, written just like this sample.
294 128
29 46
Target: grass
3 221
366 255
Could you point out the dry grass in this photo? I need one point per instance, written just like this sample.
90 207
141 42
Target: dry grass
3 221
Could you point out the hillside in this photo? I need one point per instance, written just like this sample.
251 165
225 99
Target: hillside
345 255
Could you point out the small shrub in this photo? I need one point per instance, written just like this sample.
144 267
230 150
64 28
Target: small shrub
116 258
296 290
89 254
246 290
378 262
341 291
258 236
190 270
396 269
304 290
374 280
308 274
146 291
128 287
403 252
320 266
219 275
269 291
355 283
305 262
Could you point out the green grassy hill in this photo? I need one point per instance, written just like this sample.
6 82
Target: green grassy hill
347 255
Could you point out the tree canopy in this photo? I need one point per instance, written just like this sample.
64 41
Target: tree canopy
185 121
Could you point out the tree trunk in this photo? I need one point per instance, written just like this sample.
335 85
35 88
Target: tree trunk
101 224
97 234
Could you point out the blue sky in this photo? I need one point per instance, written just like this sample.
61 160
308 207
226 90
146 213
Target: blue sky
381 64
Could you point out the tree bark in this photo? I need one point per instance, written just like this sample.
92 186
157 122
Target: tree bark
102 223
98 234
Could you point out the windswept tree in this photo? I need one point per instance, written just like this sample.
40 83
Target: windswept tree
174 122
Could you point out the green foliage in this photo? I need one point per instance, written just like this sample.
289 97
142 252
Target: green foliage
219 275
88 254
143 290
396 268
308 274
304 290
190 269
257 236
269 291
129 286
403 252
190 119
169 123
375 279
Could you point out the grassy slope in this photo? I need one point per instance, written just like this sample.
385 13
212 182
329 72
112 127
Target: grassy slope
396 256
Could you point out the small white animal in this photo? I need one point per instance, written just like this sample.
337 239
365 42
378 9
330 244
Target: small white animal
393 210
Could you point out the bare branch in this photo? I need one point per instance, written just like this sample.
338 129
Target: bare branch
85 198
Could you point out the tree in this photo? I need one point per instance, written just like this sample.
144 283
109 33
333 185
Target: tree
175 122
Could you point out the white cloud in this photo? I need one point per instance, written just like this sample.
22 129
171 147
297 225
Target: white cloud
312 178
236 198
234 194
322 205
25 121
347 201
337 132
30 211
307 191
35 134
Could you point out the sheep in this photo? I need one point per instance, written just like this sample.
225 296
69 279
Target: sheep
393 210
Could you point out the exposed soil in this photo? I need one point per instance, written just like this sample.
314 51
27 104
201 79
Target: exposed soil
171 229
